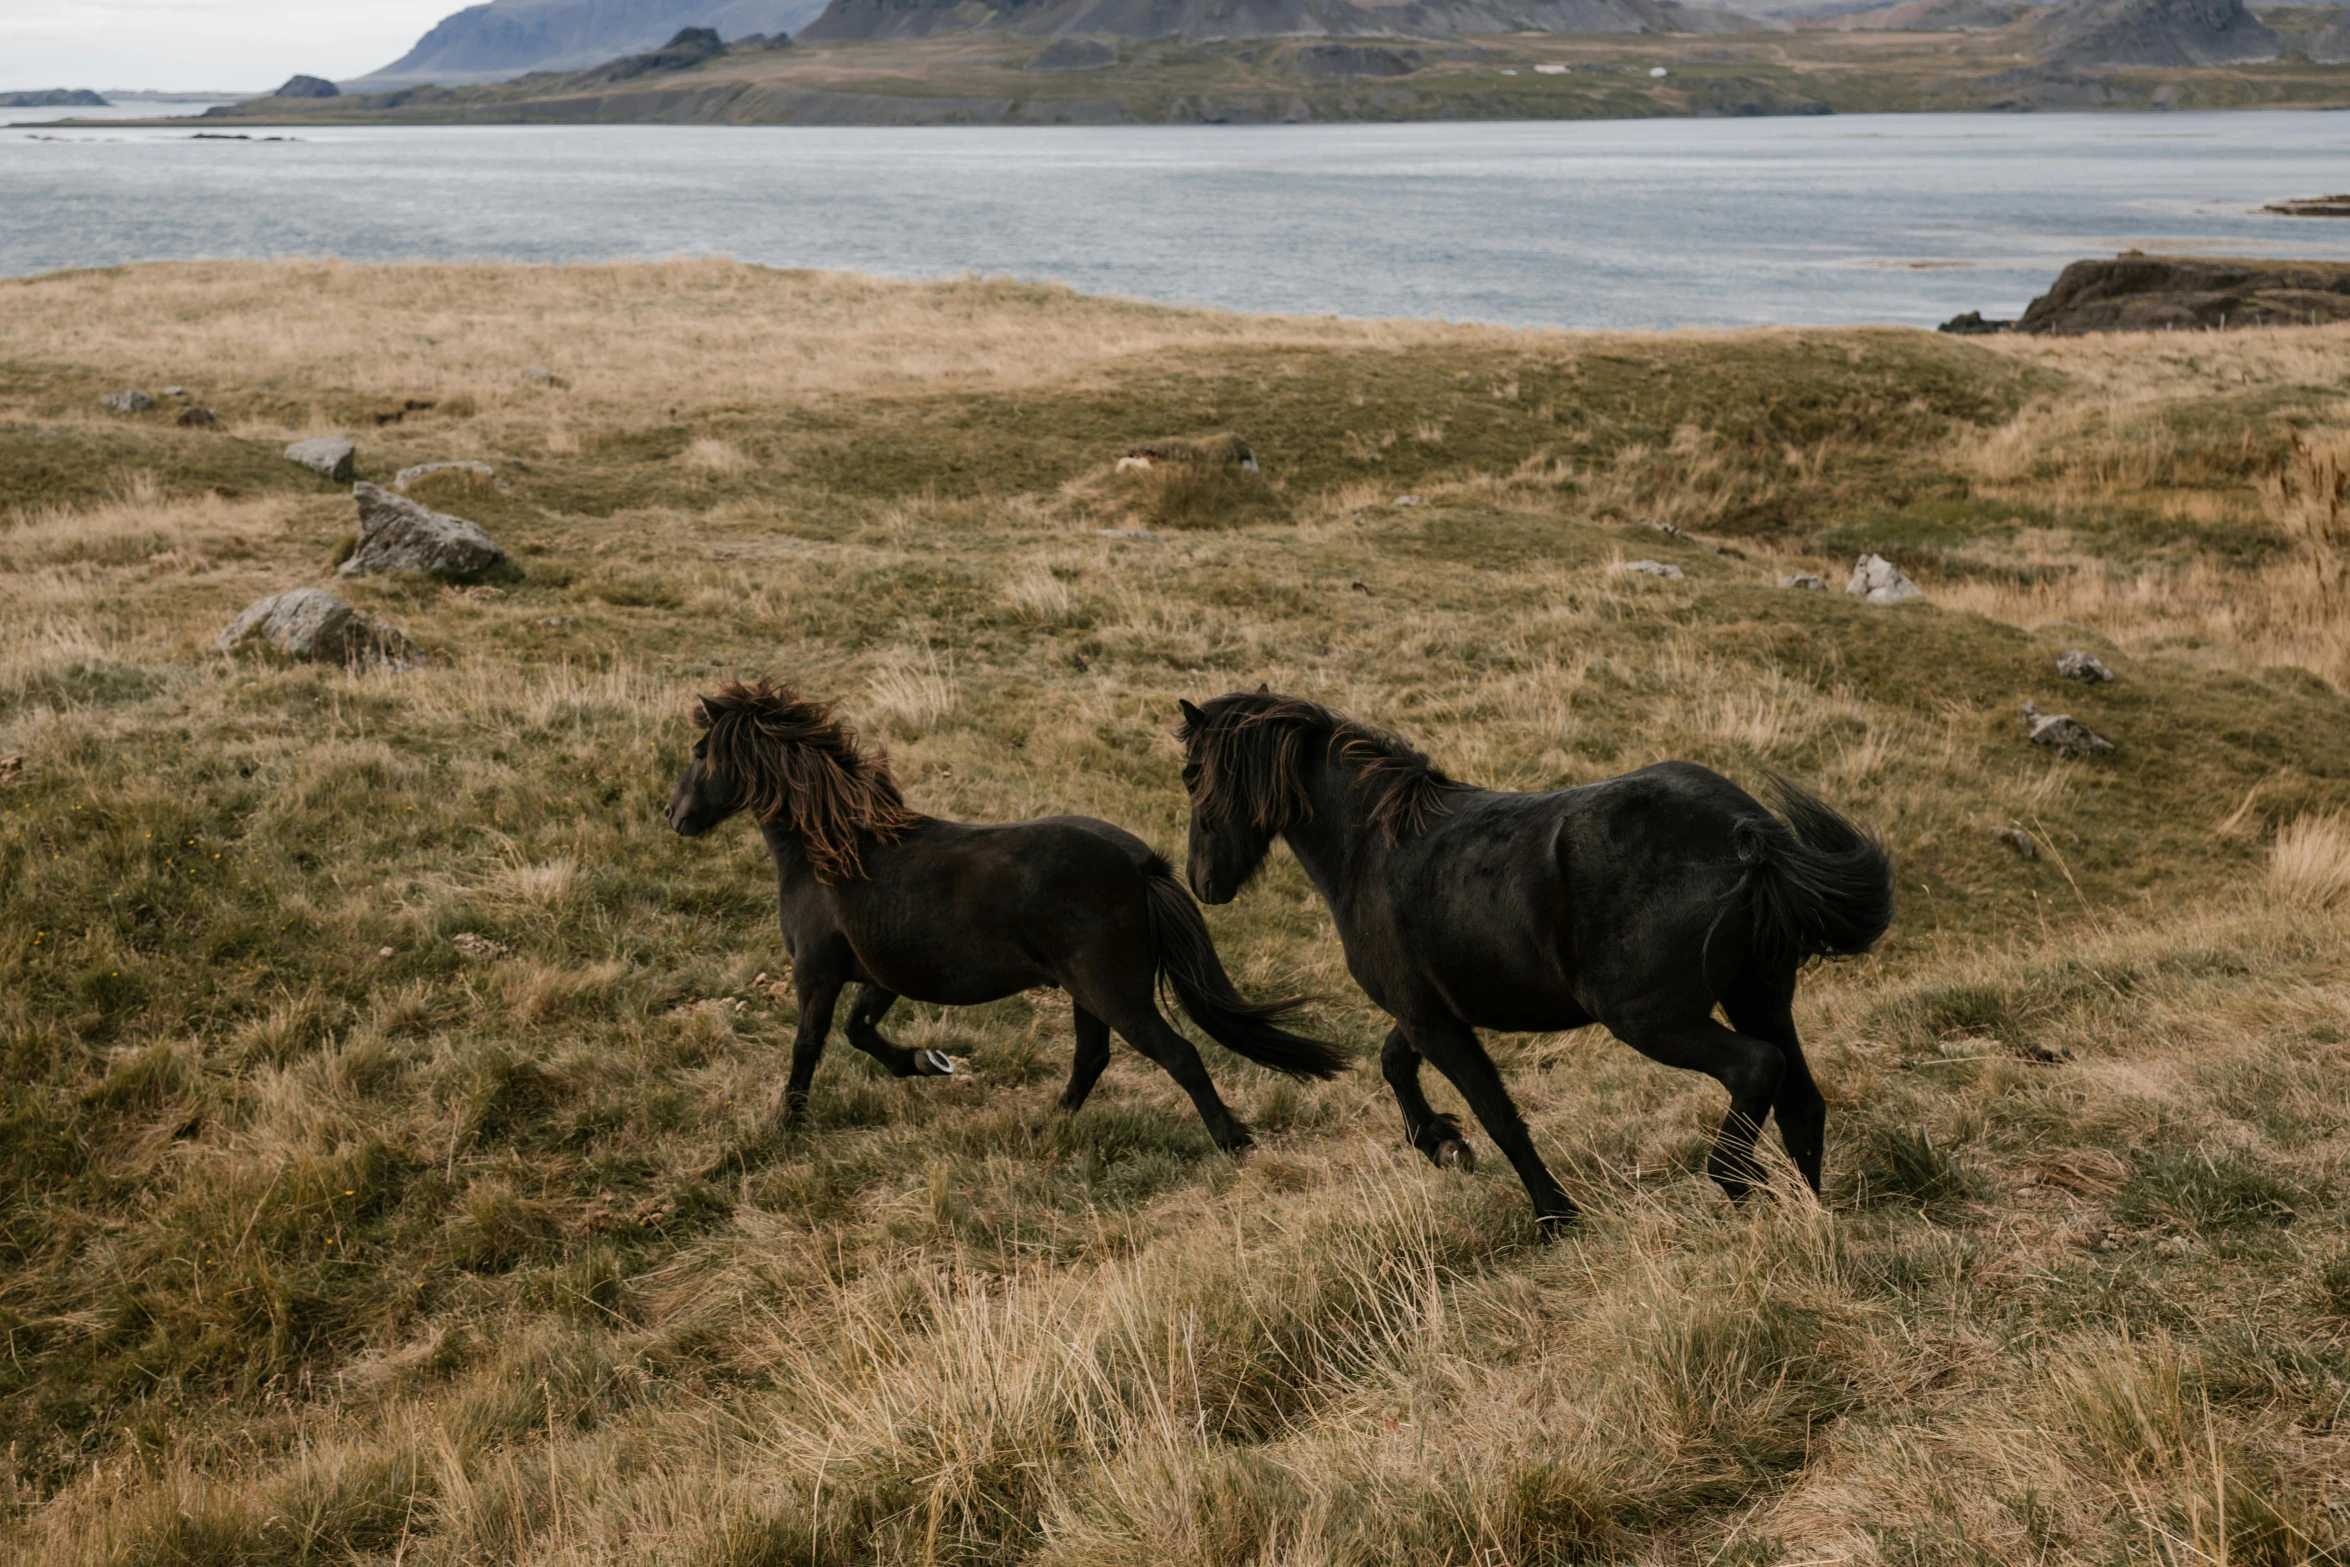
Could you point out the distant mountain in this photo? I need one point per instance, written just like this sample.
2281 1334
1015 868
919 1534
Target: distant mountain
2157 32
506 38
1207 21
54 98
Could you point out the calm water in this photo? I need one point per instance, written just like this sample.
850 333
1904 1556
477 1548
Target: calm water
1654 223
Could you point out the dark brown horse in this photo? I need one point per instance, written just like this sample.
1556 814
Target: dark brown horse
904 904
1642 903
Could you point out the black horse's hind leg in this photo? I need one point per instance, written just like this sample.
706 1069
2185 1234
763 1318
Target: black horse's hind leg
864 1031
1766 1012
1437 1136
1146 1031
1749 1068
1452 1047
1093 1054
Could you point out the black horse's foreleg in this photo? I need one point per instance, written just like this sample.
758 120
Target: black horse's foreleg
819 993
864 1031
1766 1013
1093 1055
1452 1047
1749 1068
1437 1136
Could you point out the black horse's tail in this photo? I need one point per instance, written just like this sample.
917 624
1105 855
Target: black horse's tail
1815 885
1188 965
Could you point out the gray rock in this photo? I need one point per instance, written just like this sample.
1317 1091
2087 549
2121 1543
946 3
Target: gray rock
1880 582
310 623
1651 568
396 534
175 391
2064 734
545 377
329 456
426 470
2020 841
2077 665
128 402
1408 500
1806 581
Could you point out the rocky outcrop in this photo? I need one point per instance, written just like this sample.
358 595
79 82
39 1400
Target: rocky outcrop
54 98
506 38
1881 582
308 87
691 47
2137 293
1321 62
2062 733
1651 568
312 624
2156 32
396 534
329 456
428 470
2087 668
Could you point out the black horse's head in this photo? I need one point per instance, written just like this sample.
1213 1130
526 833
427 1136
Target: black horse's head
790 762
1255 763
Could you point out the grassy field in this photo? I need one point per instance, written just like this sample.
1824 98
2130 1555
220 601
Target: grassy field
981 78
323 1241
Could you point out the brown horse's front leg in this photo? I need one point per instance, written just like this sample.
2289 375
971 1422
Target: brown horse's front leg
1437 1136
864 1031
819 989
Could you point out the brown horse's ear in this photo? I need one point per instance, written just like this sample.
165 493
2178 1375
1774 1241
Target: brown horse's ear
1192 715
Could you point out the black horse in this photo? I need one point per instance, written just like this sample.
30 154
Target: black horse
1641 903
948 912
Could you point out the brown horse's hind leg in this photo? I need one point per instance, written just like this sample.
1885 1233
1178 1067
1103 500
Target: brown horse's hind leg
1452 1047
1437 1136
1143 1028
864 1031
1093 1055
1766 1012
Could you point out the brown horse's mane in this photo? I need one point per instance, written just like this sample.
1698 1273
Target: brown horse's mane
1250 762
796 763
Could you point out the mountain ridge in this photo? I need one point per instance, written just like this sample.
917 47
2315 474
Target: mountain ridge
508 38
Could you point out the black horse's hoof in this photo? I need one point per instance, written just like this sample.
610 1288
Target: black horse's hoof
933 1063
1454 1154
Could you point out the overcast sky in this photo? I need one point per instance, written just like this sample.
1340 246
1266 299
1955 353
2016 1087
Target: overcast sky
244 45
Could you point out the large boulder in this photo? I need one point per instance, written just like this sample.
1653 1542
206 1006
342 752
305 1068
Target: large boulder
310 623
329 456
2062 733
1881 582
396 534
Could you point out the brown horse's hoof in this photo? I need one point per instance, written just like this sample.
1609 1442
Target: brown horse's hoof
933 1063
1454 1154
1241 1153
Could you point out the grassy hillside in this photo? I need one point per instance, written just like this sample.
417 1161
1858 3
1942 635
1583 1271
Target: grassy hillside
981 78
322 1240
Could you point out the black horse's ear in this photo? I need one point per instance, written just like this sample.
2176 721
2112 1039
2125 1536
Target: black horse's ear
1191 715
1263 689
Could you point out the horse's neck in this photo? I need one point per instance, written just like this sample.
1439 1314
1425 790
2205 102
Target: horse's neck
1334 843
790 853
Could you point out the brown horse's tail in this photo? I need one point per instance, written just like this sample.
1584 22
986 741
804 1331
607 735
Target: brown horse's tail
1815 885
1188 965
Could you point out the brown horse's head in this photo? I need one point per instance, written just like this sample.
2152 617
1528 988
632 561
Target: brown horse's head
789 762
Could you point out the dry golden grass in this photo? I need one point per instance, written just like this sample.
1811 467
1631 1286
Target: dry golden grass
324 1240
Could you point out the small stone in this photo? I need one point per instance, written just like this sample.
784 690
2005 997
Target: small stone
2077 665
1651 568
329 456
1126 533
478 949
11 768
312 624
128 402
1806 581
2022 842
175 391
1880 582
1409 500
559 621
545 377
2064 734
198 418
383 952
426 470
396 534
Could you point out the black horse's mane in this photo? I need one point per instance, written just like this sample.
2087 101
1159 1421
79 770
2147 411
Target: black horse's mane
1249 751
795 762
